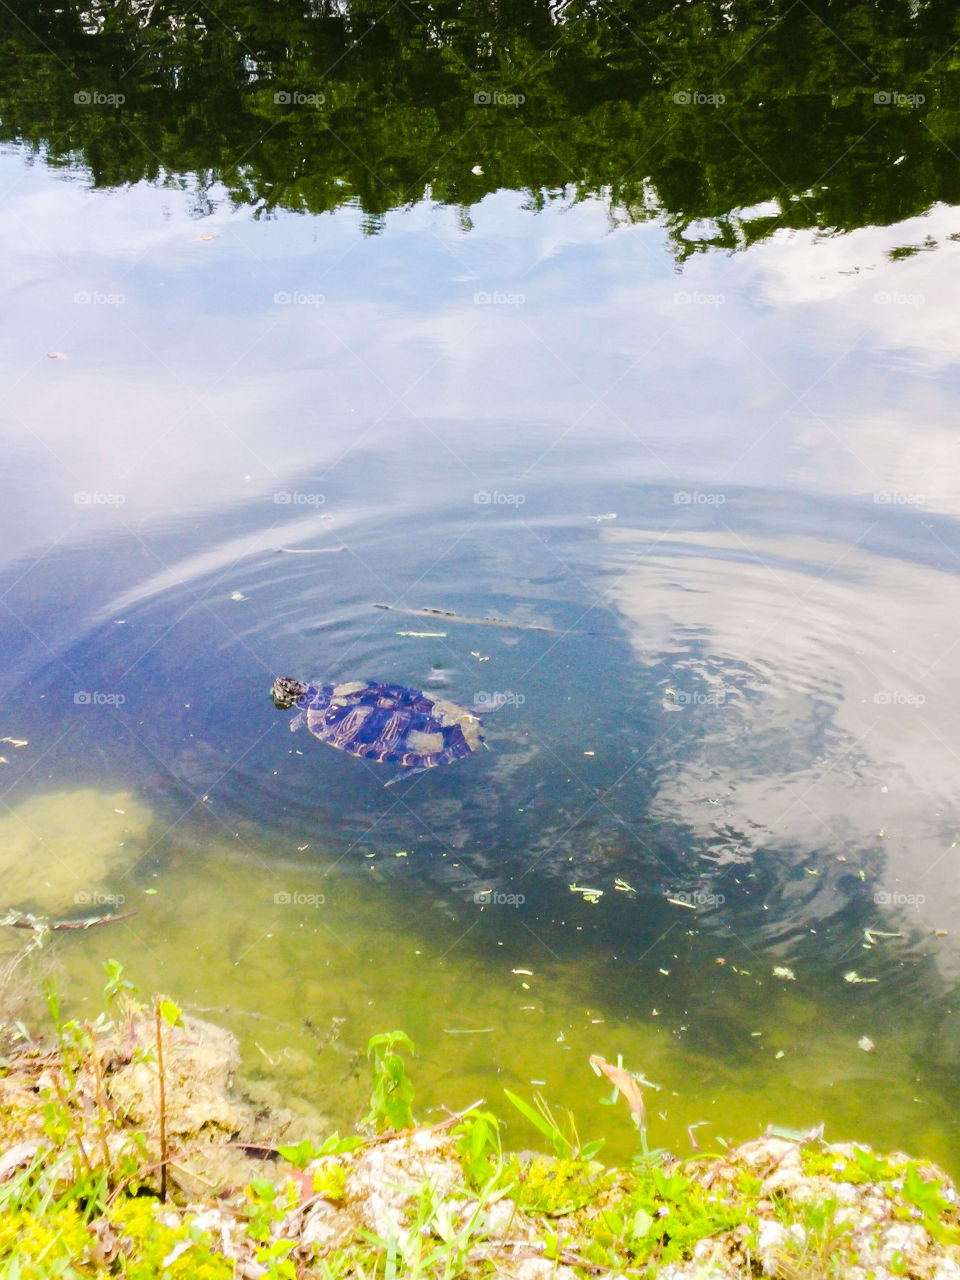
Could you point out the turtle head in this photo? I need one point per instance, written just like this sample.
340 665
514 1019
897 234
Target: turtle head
287 692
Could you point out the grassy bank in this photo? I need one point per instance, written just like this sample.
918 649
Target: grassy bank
126 1150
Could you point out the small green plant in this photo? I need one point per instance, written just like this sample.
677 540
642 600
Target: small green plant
441 1241
565 1144
267 1206
301 1154
929 1204
825 1246
117 988
478 1146
862 1168
391 1098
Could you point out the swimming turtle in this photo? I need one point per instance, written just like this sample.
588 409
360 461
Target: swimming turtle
384 722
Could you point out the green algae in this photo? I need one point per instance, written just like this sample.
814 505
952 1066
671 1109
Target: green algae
68 852
304 963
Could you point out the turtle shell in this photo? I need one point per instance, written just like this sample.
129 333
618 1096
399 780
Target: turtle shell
389 723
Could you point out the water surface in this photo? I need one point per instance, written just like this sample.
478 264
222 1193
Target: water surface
707 451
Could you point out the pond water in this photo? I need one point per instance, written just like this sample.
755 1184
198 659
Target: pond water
696 450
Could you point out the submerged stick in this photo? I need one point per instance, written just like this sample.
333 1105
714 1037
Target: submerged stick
15 921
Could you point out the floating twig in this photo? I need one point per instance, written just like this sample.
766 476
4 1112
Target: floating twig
309 551
449 616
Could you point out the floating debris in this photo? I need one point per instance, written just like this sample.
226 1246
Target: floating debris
526 972
854 977
871 935
424 635
309 551
237 595
679 902
589 895
610 515
783 971
866 1044
459 617
16 742
621 885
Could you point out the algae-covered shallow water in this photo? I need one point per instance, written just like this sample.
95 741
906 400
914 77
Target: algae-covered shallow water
688 427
